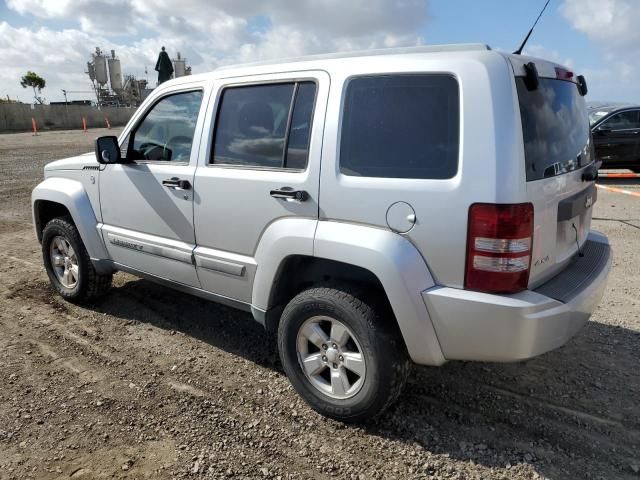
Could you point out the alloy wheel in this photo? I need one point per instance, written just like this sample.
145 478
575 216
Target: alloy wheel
331 357
64 262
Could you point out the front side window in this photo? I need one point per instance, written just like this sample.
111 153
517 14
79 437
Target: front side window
401 126
623 121
166 133
265 125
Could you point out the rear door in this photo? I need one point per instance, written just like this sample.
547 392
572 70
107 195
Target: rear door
557 148
260 165
616 139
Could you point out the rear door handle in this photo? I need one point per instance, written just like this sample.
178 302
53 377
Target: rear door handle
288 193
177 183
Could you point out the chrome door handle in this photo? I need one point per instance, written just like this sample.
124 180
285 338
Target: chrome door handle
288 193
177 183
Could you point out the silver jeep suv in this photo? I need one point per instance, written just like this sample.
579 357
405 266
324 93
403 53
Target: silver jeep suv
375 210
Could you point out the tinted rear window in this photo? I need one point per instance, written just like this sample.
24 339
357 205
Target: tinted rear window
555 127
401 126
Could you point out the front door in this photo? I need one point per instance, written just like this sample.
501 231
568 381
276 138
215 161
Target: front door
147 202
260 165
616 139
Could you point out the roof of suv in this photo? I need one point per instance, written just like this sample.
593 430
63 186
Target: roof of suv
285 62
609 108
461 47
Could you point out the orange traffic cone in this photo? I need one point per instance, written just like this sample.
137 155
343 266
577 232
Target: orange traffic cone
84 124
33 126
107 122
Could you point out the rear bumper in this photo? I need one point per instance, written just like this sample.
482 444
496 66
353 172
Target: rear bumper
480 326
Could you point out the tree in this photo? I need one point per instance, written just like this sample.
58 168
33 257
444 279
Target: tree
33 80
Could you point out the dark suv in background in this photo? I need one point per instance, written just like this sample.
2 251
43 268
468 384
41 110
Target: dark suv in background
616 135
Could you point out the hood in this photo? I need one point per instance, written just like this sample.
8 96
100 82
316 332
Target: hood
73 163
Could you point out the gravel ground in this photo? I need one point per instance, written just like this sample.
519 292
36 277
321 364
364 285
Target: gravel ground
151 383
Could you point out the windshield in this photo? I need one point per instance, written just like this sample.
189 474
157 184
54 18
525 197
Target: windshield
595 115
555 128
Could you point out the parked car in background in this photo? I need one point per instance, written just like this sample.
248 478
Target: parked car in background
616 135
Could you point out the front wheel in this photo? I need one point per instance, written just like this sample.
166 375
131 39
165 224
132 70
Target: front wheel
68 264
340 355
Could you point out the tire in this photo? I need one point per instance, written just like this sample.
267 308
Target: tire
376 339
83 284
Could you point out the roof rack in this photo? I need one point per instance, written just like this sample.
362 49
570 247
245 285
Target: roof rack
367 53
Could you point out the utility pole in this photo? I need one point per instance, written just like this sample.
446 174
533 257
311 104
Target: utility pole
66 106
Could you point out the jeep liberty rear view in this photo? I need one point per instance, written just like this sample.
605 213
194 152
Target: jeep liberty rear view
375 210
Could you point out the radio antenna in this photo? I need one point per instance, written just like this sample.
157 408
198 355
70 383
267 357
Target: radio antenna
524 42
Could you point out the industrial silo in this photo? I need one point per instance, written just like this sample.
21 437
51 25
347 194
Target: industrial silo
100 67
179 66
115 72
91 70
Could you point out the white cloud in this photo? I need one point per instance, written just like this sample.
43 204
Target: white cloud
208 33
612 25
540 51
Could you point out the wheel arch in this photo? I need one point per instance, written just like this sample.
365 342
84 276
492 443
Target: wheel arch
62 196
371 255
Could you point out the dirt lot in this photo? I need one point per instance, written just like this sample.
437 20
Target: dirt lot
150 383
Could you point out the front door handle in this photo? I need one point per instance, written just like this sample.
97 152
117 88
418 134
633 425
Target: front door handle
289 194
177 183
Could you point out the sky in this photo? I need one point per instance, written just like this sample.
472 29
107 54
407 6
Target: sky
55 38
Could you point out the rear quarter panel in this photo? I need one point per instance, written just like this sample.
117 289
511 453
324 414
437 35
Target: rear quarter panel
491 164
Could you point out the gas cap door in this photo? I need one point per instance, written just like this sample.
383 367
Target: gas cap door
401 217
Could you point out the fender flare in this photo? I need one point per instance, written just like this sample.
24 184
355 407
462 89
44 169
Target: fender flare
281 239
73 196
392 258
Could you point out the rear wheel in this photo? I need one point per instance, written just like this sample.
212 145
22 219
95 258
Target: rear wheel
341 356
68 264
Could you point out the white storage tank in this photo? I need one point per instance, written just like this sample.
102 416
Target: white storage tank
115 72
100 67
179 67
91 71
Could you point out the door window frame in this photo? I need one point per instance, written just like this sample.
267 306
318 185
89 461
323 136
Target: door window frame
128 135
256 83
609 117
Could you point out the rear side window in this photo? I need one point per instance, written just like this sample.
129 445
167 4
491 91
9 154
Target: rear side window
401 126
628 120
265 125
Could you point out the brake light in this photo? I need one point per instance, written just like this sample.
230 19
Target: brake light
499 241
563 74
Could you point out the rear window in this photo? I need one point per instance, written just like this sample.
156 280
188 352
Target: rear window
555 128
401 126
265 126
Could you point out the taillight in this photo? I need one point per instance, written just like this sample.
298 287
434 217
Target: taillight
563 74
499 241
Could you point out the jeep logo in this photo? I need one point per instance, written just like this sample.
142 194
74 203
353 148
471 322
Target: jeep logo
588 202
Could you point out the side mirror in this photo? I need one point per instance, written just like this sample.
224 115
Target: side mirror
602 130
108 150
